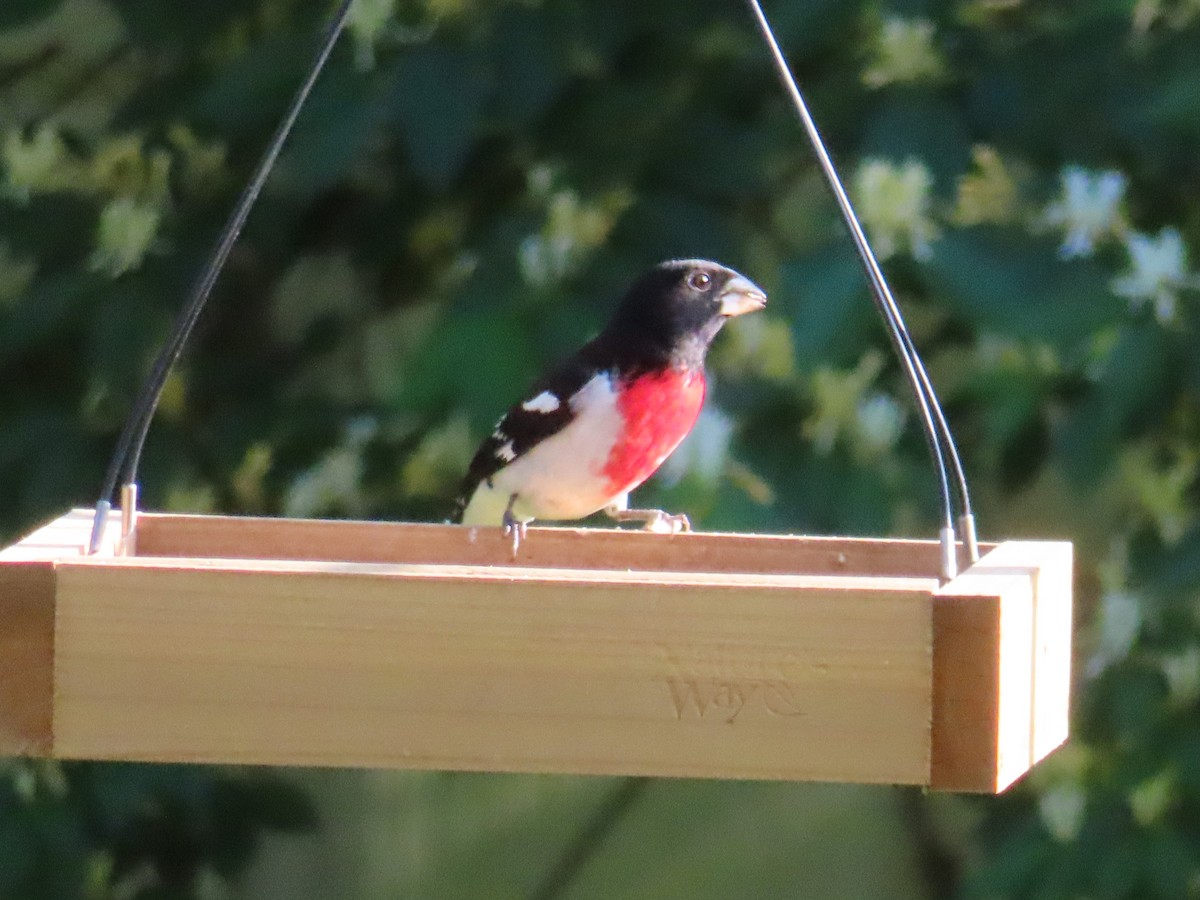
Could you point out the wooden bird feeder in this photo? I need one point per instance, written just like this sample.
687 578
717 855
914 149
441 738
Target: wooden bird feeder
274 641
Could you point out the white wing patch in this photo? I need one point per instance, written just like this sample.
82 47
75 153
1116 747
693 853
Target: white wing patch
561 477
545 402
506 452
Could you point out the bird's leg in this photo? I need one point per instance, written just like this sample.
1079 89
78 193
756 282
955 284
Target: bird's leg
513 528
655 520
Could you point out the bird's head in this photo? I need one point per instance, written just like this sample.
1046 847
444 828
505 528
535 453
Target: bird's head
678 307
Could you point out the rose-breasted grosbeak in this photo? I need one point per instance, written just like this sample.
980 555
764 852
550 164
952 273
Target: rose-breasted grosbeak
604 421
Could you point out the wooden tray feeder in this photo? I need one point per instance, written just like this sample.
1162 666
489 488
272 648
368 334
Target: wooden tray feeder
274 641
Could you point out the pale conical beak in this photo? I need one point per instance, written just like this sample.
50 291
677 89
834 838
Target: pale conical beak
741 295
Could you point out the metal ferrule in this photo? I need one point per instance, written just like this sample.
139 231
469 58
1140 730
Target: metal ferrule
129 500
949 554
966 525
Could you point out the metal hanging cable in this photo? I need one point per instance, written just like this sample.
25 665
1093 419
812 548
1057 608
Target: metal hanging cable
946 460
123 466
125 459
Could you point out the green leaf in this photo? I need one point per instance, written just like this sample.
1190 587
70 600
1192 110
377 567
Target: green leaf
23 12
666 225
268 799
713 157
247 98
923 127
436 98
1133 391
1173 572
1058 91
17 852
44 313
824 295
340 117
1003 282
529 64
482 361
147 23
804 28
55 229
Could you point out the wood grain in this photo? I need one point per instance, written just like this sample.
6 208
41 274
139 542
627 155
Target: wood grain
573 548
595 651
1001 666
559 673
26 658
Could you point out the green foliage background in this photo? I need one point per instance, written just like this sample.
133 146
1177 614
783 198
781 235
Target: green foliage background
468 190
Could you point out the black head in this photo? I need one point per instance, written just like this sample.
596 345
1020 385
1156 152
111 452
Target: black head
672 313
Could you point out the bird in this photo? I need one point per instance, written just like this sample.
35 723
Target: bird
603 421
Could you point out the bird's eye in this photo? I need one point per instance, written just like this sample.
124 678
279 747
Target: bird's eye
699 281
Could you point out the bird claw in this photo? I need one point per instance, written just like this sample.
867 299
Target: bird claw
668 523
514 530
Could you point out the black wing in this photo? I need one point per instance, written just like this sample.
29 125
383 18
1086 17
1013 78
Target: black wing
523 428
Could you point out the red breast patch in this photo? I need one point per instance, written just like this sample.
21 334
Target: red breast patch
659 410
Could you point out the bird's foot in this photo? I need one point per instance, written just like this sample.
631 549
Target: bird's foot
514 529
664 522
655 520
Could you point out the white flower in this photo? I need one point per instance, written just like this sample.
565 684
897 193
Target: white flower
762 347
904 52
704 451
367 23
544 259
1150 800
34 779
990 193
125 234
552 253
894 204
1174 15
437 463
1088 209
838 398
1119 621
1182 672
573 229
41 163
1158 272
1157 483
879 420
1061 809
335 482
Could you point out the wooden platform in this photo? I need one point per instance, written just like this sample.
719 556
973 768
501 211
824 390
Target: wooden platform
426 646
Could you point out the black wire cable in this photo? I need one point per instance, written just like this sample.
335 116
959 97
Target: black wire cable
128 452
942 449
